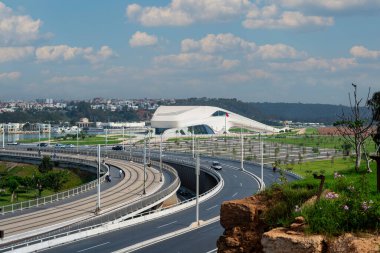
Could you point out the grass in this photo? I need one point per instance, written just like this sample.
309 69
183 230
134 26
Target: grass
355 209
76 178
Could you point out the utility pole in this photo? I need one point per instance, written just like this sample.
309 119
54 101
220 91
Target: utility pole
242 150
149 136
130 145
144 191
97 210
106 140
161 158
3 137
77 140
49 133
39 132
197 172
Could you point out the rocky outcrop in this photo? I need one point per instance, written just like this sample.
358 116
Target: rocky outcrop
245 231
349 243
242 224
288 241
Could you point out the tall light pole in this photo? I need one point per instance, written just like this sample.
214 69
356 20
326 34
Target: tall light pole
106 140
98 174
262 158
3 137
197 172
193 145
242 149
161 158
123 140
77 139
144 192
149 136
49 133
39 132
130 145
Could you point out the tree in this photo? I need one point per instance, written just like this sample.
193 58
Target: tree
356 126
12 184
55 180
46 165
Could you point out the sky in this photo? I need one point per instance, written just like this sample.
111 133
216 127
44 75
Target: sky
307 51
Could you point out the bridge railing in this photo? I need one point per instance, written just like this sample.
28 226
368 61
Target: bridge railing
18 206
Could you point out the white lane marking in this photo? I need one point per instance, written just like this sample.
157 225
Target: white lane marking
211 207
93 247
212 251
241 184
234 194
235 176
167 224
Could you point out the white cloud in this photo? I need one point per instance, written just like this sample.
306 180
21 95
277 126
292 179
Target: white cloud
362 52
186 12
72 79
17 29
66 53
312 64
10 75
15 53
104 53
252 74
288 19
142 39
229 64
332 5
278 51
213 43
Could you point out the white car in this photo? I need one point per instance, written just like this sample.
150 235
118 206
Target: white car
216 165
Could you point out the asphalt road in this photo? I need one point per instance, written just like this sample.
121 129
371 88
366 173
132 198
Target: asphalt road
237 184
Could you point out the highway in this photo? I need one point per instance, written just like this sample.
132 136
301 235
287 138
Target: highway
237 184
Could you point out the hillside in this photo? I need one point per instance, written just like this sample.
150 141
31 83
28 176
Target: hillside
270 112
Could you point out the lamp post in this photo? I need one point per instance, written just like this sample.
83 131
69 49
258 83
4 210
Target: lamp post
130 146
77 140
149 136
106 140
98 175
262 158
193 145
144 191
242 150
123 139
161 157
39 132
3 137
49 133
197 172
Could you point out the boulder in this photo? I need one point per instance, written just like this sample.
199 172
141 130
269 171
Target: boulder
366 243
282 240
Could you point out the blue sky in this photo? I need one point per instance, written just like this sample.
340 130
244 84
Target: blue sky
307 51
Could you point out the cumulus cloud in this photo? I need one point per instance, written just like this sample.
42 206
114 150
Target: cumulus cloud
72 79
332 5
252 74
66 53
213 43
17 29
15 53
362 52
186 12
309 64
142 39
10 75
279 51
288 19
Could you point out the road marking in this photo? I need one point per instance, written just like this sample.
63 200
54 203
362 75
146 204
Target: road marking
211 207
167 224
93 247
212 251
234 194
241 184
235 176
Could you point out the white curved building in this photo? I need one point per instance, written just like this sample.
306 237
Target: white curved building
204 120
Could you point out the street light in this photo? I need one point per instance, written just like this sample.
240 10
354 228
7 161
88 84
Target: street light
49 133
3 137
161 157
144 191
123 139
262 159
242 149
97 210
77 140
197 173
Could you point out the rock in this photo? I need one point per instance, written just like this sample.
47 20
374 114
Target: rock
278 240
353 244
299 219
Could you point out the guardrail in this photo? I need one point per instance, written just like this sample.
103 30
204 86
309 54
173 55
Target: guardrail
120 215
58 196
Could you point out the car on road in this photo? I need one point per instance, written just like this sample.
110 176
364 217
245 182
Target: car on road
117 148
216 165
59 145
43 145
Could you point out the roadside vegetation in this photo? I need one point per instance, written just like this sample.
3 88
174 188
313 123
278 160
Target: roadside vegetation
21 182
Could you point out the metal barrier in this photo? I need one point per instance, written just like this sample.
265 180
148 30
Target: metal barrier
58 196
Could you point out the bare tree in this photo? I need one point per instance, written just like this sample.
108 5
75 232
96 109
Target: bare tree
356 126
